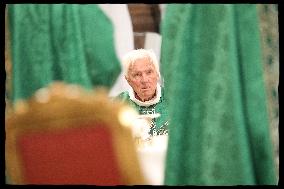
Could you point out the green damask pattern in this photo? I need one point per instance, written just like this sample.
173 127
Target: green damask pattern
67 42
213 69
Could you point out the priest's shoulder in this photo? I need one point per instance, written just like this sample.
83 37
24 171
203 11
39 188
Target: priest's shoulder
123 95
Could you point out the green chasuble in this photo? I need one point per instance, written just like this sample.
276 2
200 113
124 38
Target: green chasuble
211 63
73 43
159 124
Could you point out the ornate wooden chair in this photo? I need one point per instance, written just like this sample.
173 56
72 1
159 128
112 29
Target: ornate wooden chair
65 135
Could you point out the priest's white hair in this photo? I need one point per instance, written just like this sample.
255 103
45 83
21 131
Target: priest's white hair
131 57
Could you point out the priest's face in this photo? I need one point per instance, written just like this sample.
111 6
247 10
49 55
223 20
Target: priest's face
143 78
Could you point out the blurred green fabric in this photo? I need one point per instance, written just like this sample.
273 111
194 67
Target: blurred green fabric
211 63
64 42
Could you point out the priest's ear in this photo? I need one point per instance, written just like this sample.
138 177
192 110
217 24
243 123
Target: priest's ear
128 80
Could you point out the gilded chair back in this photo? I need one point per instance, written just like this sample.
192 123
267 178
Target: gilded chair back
65 135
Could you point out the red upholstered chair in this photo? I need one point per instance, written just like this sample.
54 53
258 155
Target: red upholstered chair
64 135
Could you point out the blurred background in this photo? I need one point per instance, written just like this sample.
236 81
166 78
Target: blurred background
143 25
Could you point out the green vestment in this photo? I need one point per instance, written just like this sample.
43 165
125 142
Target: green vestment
160 124
211 62
73 43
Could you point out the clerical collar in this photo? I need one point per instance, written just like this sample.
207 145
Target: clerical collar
155 100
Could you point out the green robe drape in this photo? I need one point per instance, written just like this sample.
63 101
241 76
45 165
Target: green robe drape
211 63
64 42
